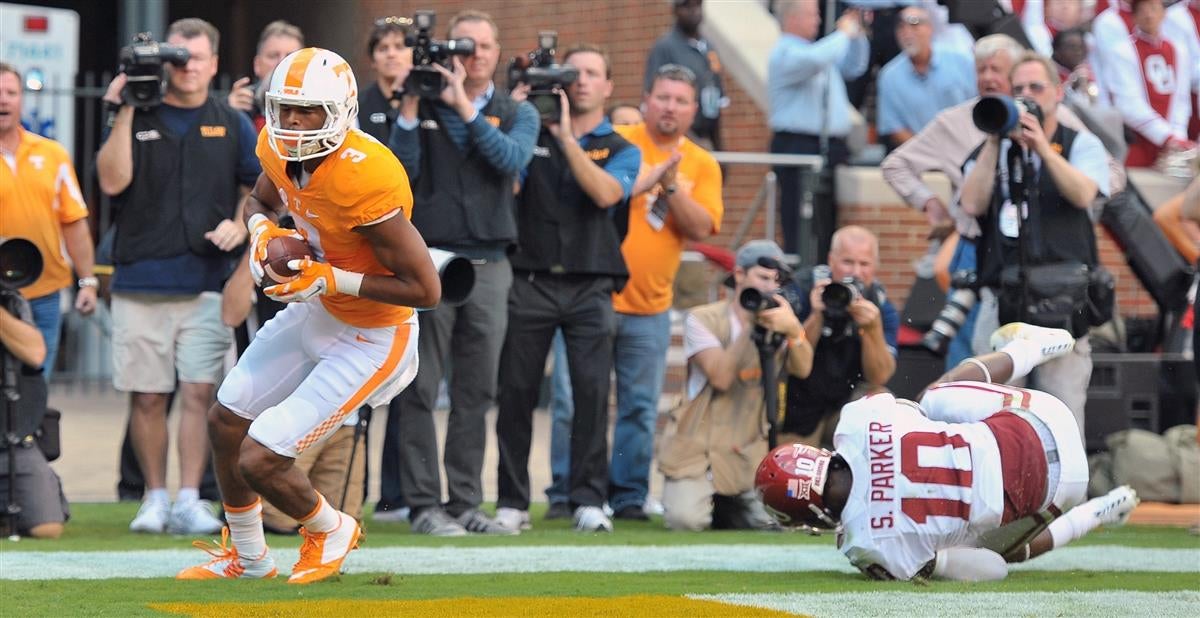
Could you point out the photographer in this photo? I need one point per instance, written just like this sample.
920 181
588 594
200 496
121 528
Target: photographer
463 153
37 489
854 326
713 442
177 166
278 39
1054 228
379 103
565 270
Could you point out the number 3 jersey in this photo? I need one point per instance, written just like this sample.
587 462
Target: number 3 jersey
921 485
358 184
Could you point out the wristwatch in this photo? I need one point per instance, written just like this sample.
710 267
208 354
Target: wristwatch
89 282
670 190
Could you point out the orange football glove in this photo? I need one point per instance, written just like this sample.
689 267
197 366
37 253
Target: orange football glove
262 230
315 279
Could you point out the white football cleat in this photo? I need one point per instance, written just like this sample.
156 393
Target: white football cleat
1114 508
1050 342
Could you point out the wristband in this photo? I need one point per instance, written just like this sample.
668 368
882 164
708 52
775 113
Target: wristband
347 282
797 340
255 219
89 282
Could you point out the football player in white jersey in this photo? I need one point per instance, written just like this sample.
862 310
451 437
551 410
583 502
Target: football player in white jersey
976 475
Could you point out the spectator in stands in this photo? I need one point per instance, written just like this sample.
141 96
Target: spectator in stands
1070 57
463 174
43 204
379 103
684 46
1146 76
807 95
677 198
714 441
921 81
565 271
176 233
1044 20
1184 17
278 39
855 341
37 489
621 114
1057 230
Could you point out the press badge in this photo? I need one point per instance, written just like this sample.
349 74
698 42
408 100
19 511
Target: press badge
656 212
1010 225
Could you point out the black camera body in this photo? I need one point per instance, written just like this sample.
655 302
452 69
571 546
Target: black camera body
20 264
999 115
424 80
544 76
144 64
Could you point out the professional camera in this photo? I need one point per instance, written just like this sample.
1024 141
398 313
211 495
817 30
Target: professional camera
143 63
959 301
999 115
544 76
753 300
20 264
424 80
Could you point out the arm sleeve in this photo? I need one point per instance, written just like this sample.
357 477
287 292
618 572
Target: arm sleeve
1181 101
248 167
708 191
508 152
71 205
887 117
969 564
1088 156
405 143
624 167
795 65
902 168
858 57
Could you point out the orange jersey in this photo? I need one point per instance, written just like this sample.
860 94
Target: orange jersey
359 183
652 247
38 195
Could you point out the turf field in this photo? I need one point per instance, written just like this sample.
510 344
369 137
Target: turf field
98 568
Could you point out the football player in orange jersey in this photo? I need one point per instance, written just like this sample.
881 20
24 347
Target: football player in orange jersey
349 335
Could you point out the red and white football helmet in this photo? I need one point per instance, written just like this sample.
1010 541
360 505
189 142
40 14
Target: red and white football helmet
791 484
311 77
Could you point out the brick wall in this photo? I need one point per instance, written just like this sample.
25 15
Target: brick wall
628 28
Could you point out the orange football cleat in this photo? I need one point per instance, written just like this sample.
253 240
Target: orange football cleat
226 564
322 553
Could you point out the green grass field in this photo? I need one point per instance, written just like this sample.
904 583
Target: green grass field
102 528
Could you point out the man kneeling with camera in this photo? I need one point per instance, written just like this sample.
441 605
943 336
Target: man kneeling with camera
1031 185
854 326
26 479
712 443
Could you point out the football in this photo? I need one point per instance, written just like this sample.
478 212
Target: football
280 251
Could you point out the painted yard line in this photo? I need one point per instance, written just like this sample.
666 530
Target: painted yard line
957 604
627 559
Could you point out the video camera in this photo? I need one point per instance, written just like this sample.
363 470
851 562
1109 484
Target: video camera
999 115
143 63
424 80
544 76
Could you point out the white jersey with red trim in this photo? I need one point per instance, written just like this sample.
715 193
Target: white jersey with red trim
920 485
1183 27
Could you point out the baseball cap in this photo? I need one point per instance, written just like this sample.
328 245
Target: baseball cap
749 253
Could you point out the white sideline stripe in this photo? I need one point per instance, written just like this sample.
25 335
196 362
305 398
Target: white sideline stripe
958 604
541 559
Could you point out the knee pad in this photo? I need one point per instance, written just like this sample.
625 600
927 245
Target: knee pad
235 390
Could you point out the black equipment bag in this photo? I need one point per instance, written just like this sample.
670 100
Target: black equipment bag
1157 265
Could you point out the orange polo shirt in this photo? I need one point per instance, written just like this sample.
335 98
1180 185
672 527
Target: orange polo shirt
653 251
38 195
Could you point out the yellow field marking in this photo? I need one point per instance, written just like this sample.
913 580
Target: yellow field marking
660 606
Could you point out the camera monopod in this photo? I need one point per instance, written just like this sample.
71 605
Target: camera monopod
768 343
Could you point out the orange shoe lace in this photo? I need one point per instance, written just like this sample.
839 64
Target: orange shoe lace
310 551
221 552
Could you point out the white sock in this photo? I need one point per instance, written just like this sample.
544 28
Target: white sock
187 494
246 531
1025 355
324 518
158 496
1074 524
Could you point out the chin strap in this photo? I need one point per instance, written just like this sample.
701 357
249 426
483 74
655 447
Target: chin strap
823 516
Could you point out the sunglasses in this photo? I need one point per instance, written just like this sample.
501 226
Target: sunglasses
1032 87
403 22
913 20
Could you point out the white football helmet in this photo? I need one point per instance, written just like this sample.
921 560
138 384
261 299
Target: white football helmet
311 77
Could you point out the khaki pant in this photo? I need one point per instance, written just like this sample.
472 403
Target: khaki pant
325 464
